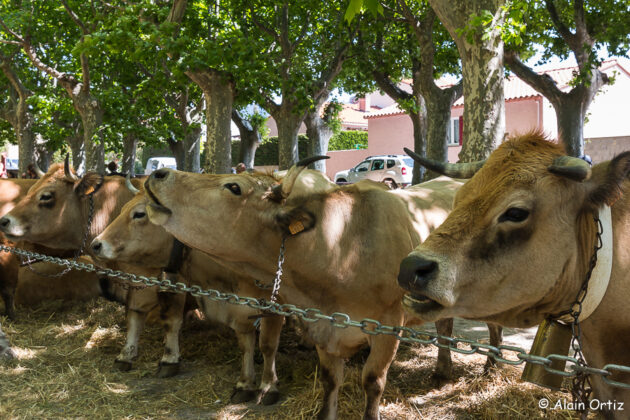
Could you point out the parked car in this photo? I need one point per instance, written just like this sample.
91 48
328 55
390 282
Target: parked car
381 168
155 163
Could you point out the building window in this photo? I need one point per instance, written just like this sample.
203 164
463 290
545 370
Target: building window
453 133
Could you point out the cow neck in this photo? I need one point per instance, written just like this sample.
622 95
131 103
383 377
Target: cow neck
600 275
175 260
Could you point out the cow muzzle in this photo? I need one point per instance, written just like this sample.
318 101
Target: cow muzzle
12 228
415 275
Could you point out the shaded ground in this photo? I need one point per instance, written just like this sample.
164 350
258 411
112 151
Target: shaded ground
66 353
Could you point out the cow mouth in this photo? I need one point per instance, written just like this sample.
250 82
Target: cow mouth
155 203
421 304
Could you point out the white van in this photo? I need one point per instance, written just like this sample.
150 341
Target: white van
155 163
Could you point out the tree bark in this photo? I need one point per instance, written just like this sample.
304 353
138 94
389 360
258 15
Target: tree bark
91 118
23 120
218 92
192 143
250 139
319 135
77 147
288 124
130 142
419 141
482 70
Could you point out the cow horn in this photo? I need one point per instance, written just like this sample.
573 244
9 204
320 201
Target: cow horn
571 167
295 171
130 186
37 169
454 170
66 170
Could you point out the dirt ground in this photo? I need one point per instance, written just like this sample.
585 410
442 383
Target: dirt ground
65 370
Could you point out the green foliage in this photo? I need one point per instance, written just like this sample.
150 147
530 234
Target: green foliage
346 140
355 7
267 152
331 115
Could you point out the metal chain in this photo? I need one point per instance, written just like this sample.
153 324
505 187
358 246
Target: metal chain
511 355
582 389
77 254
278 279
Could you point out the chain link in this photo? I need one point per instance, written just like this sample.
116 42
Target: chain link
341 320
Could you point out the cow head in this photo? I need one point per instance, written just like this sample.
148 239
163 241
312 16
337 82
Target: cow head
132 239
517 245
54 211
227 204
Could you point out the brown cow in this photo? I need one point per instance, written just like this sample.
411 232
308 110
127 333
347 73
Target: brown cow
343 254
132 238
517 248
55 213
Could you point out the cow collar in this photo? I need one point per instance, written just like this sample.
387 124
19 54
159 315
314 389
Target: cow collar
600 275
175 261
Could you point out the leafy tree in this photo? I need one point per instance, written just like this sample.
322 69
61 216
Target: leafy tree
480 48
563 27
302 53
57 50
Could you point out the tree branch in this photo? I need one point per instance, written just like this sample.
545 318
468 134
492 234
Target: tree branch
75 18
563 30
264 27
542 83
11 32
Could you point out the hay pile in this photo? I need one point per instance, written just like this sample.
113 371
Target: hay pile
65 370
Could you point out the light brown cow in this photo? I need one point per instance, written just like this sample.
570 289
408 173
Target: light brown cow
132 238
11 191
55 213
343 256
517 247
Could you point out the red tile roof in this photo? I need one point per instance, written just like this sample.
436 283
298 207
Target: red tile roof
514 88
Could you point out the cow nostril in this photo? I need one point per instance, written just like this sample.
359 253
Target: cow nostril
97 246
4 222
415 272
160 174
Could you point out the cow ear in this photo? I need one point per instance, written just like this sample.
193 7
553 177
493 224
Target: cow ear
607 179
89 184
295 220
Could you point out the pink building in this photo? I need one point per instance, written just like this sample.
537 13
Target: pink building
605 131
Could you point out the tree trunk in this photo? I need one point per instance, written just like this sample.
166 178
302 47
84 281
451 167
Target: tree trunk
419 141
130 142
22 121
288 125
218 92
438 118
482 70
26 138
570 113
570 106
319 135
177 149
192 143
77 146
91 119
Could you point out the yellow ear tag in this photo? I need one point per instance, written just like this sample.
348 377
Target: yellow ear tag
89 190
296 227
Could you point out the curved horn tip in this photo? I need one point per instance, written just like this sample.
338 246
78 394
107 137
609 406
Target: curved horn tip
66 169
38 170
307 161
130 186
571 167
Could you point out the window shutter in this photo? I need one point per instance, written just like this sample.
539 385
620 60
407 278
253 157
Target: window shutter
461 129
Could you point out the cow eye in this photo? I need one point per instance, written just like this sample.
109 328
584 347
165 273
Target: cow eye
514 214
47 196
139 215
234 188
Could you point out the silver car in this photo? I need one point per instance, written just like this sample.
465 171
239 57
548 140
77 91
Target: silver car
381 168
